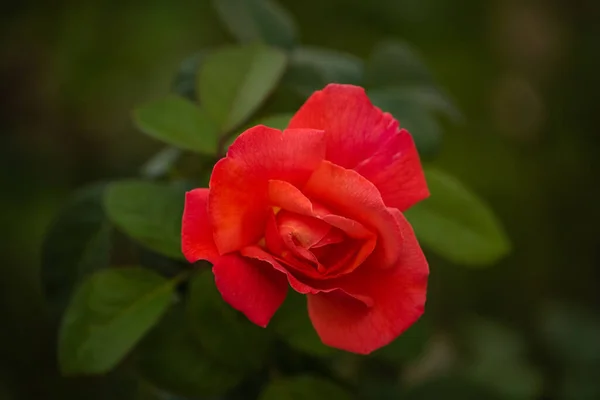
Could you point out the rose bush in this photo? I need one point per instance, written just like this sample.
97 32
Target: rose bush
318 208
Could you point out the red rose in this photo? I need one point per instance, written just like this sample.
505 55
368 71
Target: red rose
318 207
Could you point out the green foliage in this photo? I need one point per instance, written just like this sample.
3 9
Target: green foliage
148 212
304 387
76 245
161 163
202 347
251 21
395 63
234 82
172 359
225 334
178 122
108 315
292 324
277 121
185 80
456 224
400 83
312 68
419 121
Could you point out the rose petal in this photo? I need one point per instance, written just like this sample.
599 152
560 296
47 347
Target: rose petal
305 286
290 198
397 300
250 286
257 253
238 186
350 194
307 231
334 236
197 241
395 169
353 126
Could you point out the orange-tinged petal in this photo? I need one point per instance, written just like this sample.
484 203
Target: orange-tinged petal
354 127
307 231
237 202
290 198
352 195
397 299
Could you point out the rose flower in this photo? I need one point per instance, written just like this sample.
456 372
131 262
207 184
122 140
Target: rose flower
318 208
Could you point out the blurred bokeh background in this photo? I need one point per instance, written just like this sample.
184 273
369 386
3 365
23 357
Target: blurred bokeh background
523 72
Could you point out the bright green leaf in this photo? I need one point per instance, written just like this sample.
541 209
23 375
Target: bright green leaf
148 212
225 334
292 324
108 315
394 63
235 81
76 245
456 224
171 358
253 21
179 122
419 121
312 68
302 388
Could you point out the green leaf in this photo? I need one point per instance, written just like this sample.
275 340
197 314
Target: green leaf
76 245
179 122
235 81
414 117
292 324
185 80
251 21
394 63
108 315
148 212
277 121
161 163
456 224
498 361
425 96
225 334
302 388
172 359
312 68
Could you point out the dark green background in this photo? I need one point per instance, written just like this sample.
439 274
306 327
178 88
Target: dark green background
525 74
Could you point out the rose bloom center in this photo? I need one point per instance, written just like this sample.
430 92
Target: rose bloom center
313 248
